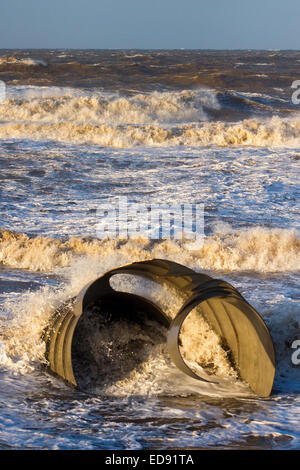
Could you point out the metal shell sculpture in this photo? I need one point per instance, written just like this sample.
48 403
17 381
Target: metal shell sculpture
236 322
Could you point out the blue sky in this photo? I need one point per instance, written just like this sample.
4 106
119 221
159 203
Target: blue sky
157 24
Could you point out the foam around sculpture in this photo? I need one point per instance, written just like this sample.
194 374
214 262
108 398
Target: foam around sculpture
236 322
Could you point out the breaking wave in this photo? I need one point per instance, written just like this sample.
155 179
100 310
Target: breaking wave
54 105
257 249
155 119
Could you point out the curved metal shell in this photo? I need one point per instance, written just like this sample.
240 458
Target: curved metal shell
239 326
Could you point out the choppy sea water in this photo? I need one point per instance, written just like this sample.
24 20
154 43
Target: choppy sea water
81 128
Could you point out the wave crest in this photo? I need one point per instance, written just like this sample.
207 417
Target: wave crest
257 249
158 119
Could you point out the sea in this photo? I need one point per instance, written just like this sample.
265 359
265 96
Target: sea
78 130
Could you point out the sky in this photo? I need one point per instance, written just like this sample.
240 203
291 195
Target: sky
150 24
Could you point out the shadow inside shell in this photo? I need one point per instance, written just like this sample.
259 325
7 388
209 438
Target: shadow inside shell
112 339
